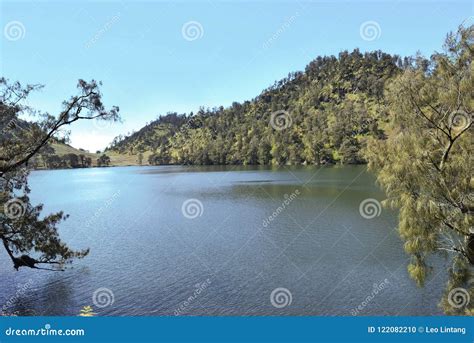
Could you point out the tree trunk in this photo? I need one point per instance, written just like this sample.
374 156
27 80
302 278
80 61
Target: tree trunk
470 248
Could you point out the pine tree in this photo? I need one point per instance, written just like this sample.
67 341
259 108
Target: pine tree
425 165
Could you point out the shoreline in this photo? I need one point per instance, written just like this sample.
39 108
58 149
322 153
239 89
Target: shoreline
208 165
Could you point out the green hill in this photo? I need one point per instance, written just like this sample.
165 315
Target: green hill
63 156
319 116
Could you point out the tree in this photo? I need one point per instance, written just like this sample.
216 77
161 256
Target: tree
349 151
425 165
325 114
87 162
103 161
140 158
30 238
72 160
55 162
82 159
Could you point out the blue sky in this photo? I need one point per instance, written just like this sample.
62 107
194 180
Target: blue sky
150 64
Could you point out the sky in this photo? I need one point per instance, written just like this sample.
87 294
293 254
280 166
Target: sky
155 57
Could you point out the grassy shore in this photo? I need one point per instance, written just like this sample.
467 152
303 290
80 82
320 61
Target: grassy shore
116 159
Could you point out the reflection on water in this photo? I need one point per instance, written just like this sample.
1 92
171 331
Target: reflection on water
155 261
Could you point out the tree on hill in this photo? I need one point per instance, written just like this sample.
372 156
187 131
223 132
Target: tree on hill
319 116
29 238
103 161
72 160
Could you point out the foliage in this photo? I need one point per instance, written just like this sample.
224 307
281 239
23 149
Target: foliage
410 118
103 161
330 109
28 237
425 165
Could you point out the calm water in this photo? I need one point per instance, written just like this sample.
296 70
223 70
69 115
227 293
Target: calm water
228 260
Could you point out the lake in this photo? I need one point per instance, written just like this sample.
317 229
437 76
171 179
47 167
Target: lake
181 240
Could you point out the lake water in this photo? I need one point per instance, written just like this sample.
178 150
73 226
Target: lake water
251 241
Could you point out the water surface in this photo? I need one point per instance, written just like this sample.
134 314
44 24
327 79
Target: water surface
227 260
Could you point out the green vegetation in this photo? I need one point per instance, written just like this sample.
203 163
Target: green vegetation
322 115
425 166
103 161
29 238
60 155
410 119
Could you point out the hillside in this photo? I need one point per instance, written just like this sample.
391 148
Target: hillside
60 155
319 116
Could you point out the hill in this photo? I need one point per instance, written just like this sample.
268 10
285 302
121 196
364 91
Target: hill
60 155
319 116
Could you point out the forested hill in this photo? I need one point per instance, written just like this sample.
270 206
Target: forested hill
322 115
